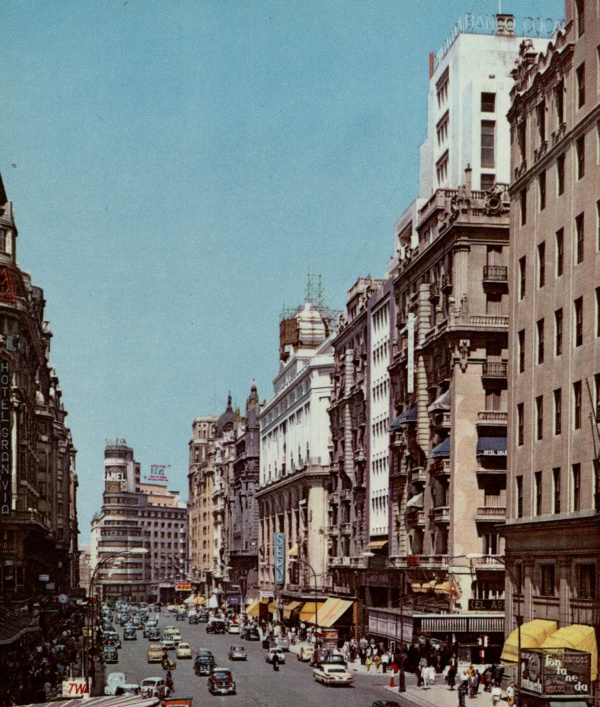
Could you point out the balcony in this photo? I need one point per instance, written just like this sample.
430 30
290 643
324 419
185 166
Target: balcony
440 514
488 562
492 418
441 420
359 455
446 283
346 529
397 441
491 514
440 466
495 369
495 278
416 516
418 475
489 321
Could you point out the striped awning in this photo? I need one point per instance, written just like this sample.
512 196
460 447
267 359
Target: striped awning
308 610
331 611
272 608
253 609
121 701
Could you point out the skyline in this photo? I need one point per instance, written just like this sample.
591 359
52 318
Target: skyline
179 171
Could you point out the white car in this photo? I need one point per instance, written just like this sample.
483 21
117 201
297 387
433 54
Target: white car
233 628
275 651
184 650
113 681
332 675
154 687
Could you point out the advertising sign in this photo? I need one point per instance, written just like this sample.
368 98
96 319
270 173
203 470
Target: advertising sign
183 587
410 363
74 687
279 554
158 472
556 672
6 435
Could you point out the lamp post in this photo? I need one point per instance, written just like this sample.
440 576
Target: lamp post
90 614
310 567
518 617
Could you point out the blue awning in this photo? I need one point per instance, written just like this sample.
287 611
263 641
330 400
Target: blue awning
491 447
442 449
403 418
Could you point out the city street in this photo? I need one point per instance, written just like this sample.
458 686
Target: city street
257 683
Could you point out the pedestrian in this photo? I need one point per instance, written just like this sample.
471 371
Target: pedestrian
385 661
377 661
462 694
510 694
425 676
496 694
368 663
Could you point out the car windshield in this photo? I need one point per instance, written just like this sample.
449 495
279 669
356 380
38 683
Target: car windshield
222 674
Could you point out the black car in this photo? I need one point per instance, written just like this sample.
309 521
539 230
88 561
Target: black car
216 627
221 682
204 664
193 618
252 634
203 618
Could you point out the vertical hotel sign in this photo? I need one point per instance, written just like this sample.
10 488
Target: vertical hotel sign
410 362
5 439
279 554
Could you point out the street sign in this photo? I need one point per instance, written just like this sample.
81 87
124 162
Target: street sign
74 687
279 552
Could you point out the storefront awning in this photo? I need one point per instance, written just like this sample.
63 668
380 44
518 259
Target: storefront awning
415 501
253 608
288 609
533 634
331 611
308 610
377 544
272 608
491 447
441 404
199 601
577 636
293 551
442 450
445 588
404 418
117 701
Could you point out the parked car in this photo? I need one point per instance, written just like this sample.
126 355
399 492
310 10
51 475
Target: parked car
332 675
221 682
252 634
215 626
155 653
109 655
154 687
237 653
233 628
305 652
193 617
129 688
184 650
113 681
275 651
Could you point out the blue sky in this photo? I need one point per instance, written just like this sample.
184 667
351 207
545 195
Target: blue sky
180 168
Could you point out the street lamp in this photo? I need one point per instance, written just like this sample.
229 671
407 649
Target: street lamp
310 567
519 618
89 628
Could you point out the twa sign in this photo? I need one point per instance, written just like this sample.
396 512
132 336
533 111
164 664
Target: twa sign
74 687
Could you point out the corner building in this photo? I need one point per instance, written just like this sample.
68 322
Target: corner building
552 532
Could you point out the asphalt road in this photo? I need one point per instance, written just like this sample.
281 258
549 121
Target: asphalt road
258 685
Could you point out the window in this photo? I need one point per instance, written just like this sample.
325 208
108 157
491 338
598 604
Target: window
539 417
3 240
521 350
520 424
580 16
547 581
598 224
523 204
488 102
579 235
557 396
522 139
540 111
519 497
586 581
578 321
537 482
487 181
442 129
580 150
560 251
542 189
541 252
540 341
576 487
442 89
560 174
577 405
559 102
558 331
488 136
491 543
597 311
441 169
522 276
556 489
580 78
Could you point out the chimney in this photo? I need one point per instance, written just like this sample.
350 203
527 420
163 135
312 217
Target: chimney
431 64
468 181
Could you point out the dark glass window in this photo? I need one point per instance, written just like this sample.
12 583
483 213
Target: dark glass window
548 581
578 321
560 174
557 395
560 251
556 490
580 77
558 331
540 341
579 238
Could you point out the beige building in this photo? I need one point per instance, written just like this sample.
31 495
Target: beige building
552 532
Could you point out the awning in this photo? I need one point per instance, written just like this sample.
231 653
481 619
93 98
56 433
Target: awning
199 601
293 551
577 636
331 611
442 450
110 701
533 634
253 608
405 417
308 610
272 608
441 404
288 609
445 588
415 501
491 447
377 544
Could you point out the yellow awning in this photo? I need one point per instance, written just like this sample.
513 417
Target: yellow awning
533 634
293 551
579 637
289 608
376 545
445 588
308 610
199 601
253 608
272 608
331 611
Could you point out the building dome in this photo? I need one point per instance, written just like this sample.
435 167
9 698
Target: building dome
226 422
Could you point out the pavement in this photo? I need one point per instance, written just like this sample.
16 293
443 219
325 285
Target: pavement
437 695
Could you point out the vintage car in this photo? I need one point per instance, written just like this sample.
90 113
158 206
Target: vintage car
332 674
237 653
154 634
109 655
274 651
128 688
233 628
113 681
155 653
221 682
204 663
154 687
215 626
184 650
305 652
193 617
129 633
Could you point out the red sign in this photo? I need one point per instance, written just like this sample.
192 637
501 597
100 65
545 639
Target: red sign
184 587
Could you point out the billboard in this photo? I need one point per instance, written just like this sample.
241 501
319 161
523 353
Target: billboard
553 672
158 473
279 555
6 435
